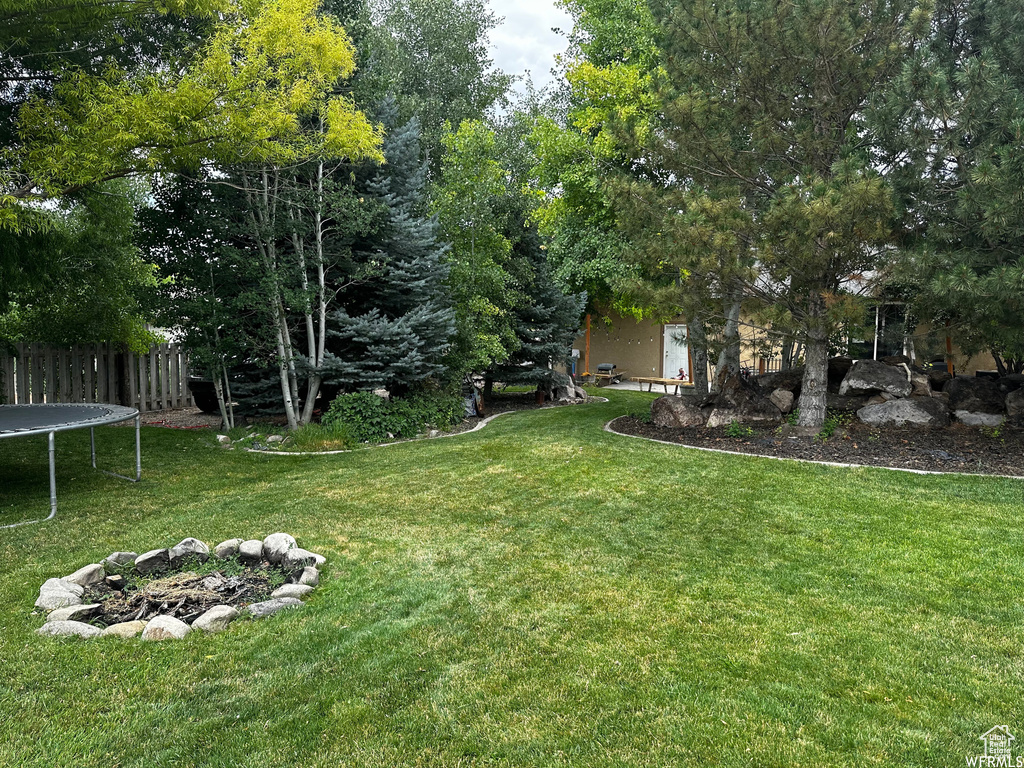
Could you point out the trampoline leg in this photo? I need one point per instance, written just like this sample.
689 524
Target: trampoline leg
53 477
138 449
92 445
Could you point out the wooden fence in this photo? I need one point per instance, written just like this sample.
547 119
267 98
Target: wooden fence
96 374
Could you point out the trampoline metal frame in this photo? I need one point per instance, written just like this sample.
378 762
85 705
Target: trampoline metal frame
119 413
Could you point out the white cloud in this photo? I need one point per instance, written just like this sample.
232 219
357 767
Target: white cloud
525 40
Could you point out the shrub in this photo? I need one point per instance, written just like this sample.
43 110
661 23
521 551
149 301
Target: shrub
735 429
368 418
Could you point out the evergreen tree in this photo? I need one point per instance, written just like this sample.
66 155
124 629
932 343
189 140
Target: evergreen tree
545 325
395 325
953 138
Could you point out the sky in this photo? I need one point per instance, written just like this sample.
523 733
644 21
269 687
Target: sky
524 41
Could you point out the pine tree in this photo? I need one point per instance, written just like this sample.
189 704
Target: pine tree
396 324
953 135
545 325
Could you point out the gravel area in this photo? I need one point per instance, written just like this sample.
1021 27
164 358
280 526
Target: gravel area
957 448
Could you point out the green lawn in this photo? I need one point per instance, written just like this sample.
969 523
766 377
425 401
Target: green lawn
539 593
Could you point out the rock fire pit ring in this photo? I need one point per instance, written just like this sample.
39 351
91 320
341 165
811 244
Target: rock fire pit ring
165 594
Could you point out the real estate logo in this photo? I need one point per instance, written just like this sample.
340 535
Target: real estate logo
998 750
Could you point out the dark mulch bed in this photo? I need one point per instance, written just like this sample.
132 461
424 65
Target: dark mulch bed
957 448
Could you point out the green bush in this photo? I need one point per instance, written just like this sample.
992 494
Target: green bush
368 418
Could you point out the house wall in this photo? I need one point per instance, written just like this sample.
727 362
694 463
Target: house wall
636 348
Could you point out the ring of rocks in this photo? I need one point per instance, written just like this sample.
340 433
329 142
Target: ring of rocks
165 594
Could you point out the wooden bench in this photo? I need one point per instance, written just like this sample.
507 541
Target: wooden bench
608 378
650 381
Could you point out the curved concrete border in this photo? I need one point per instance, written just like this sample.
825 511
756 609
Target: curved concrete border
608 428
483 423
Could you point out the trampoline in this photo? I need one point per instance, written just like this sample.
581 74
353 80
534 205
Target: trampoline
50 418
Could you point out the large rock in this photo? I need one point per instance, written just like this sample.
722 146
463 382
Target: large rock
743 402
914 411
125 629
74 613
227 549
937 378
1015 406
270 607
116 562
789 380
677 412
975 395
297 559
87 575
782 399
57 593
154 561
188 549
1011 383
868 377
975 419
275 545
919 385
292 590
165 628
310 576
251 551
68 629
216 619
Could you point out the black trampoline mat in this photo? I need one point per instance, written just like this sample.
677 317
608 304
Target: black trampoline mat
46 417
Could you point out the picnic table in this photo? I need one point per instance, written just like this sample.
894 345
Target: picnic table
650 381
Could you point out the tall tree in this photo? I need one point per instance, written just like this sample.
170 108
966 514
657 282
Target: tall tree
760 138
953 141
395 326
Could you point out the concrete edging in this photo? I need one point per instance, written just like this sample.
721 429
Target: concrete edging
483 423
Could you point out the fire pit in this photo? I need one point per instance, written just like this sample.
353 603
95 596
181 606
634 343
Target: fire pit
166 593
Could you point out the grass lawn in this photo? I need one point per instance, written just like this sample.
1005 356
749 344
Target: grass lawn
539 593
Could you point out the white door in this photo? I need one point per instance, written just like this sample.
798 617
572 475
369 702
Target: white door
676 352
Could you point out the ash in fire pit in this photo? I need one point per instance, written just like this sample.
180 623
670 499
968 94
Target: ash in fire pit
166 593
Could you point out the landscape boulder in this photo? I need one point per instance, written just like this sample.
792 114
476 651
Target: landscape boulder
68 629
270 607
297 559
57 593
216 619
1011 382
913 411
848 403
937 378
227 549
125 629
974 395
1015 406
868 377
978 419
790 380
251 551
672 411
165 628
276 545
87 575
919 385
310 576
188 548
75 613
782 399
742 402
116 561
292 590
151 562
